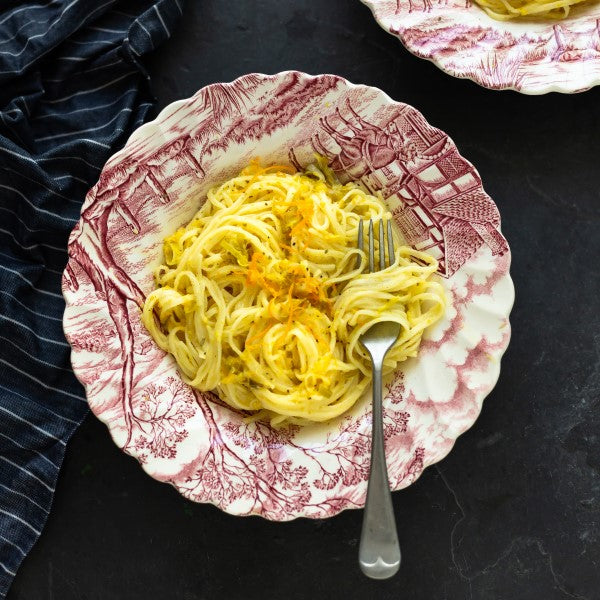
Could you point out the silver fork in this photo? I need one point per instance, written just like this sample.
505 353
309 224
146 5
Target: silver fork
379 552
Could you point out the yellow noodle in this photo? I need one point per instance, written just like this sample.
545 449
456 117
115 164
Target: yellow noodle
261 298
504 10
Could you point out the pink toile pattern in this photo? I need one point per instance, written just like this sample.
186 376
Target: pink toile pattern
158 181
532 57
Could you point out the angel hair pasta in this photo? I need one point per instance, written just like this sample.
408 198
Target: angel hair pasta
260 297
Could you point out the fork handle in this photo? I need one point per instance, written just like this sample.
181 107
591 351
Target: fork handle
379 552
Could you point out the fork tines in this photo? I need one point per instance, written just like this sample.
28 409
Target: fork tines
381 239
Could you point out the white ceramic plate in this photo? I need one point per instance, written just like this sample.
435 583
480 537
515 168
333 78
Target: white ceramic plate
529 57
156 184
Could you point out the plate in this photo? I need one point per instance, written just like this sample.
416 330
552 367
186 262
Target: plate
158 181
529 57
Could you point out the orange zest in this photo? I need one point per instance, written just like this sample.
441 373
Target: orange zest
259 335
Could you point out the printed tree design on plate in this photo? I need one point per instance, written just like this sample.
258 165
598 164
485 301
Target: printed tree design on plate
90 251
161 416
224 475
94 339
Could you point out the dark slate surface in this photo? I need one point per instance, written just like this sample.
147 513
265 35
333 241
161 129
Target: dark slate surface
513 512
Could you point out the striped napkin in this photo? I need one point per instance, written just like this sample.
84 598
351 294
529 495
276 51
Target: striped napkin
72 89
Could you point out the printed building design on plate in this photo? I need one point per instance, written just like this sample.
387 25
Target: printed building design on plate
436 196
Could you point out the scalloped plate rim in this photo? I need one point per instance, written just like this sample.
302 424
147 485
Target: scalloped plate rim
99 414
565 87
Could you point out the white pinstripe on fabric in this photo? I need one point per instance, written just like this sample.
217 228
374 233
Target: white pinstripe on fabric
54 192
73 58
39 360
33 37
161 19
90 91
107 146
88 130
23 222
7 570
40 210
18 10
71 177
108 43
27 472
132 48
50 341
86 108
12 544
24 67
45 267
45 292
30 309
37 245
25 105
56 467
19 31
23 156
19 418
107 30
24 496
147 32
17 518
13 393
124 14
40 382
43 158
101 67
112 64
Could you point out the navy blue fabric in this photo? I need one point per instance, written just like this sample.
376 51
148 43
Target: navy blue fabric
72 89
